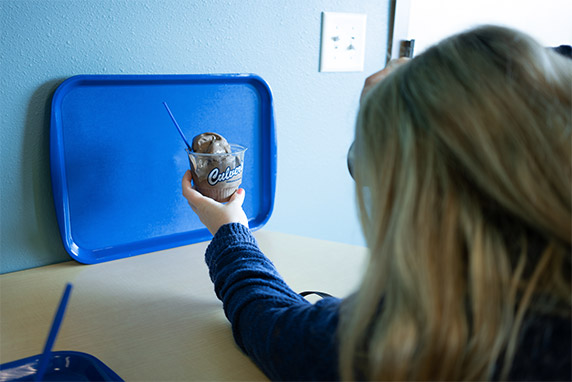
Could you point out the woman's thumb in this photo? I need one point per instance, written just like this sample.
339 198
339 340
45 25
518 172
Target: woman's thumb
237 197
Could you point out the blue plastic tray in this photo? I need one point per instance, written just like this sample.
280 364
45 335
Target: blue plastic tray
117 160
63 366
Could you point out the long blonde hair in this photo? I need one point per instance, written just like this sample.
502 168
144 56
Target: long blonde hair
463 178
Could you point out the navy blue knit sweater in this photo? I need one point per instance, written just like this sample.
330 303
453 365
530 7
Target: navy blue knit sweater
291 339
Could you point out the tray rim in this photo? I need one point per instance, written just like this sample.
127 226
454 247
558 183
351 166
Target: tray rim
59 179
22 361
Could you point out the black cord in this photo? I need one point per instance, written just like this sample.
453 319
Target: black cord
321 294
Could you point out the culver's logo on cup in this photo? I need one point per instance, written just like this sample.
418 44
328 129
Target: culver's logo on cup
216 176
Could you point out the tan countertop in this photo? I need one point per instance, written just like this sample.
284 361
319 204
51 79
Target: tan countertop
155 317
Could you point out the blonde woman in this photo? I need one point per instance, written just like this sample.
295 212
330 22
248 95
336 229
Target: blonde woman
463 180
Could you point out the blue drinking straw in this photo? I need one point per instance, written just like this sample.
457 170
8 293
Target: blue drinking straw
177 126
46 355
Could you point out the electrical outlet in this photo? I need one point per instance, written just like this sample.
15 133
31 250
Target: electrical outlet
343 42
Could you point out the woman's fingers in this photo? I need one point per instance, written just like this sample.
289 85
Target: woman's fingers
196 200
377 77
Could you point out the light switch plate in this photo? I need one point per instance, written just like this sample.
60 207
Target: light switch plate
343 42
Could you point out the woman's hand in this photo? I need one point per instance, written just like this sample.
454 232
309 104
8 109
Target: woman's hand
375 78
212 213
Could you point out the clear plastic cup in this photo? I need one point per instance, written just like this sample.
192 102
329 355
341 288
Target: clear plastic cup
217 176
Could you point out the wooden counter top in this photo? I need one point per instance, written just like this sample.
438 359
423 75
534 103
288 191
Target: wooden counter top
155 317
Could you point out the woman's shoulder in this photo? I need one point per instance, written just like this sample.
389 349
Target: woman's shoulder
545 349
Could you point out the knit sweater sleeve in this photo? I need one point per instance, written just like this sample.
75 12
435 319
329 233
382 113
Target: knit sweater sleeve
285 335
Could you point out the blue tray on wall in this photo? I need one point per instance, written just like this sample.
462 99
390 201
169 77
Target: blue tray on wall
117 160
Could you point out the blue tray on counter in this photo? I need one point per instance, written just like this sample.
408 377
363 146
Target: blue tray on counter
117 160
63 366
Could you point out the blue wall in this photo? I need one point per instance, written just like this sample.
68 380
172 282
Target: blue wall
45 41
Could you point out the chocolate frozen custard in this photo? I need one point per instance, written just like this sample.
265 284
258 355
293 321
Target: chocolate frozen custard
216 166
210 143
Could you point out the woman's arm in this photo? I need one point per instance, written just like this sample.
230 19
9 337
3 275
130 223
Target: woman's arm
288 337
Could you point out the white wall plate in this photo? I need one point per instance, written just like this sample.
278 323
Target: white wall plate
343 42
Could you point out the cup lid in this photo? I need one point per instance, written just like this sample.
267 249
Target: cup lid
235 150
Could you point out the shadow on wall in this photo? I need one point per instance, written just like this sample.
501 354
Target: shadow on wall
43 237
